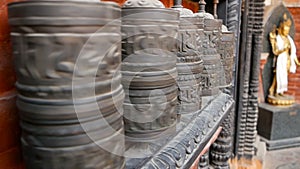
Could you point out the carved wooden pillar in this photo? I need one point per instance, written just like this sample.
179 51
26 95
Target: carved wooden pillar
221 150
252 114
204 161
249 73
244 73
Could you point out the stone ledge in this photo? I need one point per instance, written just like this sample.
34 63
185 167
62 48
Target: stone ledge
282 143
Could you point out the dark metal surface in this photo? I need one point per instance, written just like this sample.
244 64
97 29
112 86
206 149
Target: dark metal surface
226 49
70 94
189 67
149 48
212 72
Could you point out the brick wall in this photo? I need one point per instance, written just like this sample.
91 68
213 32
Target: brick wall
168 3
10 152
294 79
290 3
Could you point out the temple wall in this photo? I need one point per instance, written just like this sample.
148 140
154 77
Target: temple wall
294 79
10 152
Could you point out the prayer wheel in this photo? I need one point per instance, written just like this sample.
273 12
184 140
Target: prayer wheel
208 34
68 56
148 69
189 65
226 50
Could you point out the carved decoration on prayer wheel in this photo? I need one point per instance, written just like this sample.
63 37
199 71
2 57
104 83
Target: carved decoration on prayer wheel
208 35
226 49
189 65
69 83
148 69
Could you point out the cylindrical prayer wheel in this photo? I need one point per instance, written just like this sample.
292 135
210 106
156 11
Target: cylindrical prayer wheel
189 66
208 34
226 49
148 69
68 56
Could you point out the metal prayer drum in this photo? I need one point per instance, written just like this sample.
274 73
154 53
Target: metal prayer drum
67 57
189 66
226 50
208 35
148 69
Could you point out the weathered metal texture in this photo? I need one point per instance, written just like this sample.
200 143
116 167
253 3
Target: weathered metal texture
249 72
211 58
233 22
69 83
183 149
149 74
208 39
226 50
204 161
189 67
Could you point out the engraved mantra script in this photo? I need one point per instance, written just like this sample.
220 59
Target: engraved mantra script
53 56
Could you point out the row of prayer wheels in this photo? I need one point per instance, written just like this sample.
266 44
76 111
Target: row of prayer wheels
92 78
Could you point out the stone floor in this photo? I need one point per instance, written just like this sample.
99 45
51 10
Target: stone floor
288 158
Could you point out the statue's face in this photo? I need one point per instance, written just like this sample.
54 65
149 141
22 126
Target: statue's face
285 30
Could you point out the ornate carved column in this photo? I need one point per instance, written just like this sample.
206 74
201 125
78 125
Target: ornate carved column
249 72
68 55
252 114
221 150
244 75
204 161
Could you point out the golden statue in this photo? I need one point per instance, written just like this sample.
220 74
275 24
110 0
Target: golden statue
284 50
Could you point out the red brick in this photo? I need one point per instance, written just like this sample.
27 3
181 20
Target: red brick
10 156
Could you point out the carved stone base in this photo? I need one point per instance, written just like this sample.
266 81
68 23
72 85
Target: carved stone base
282 143
281 100
279 125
